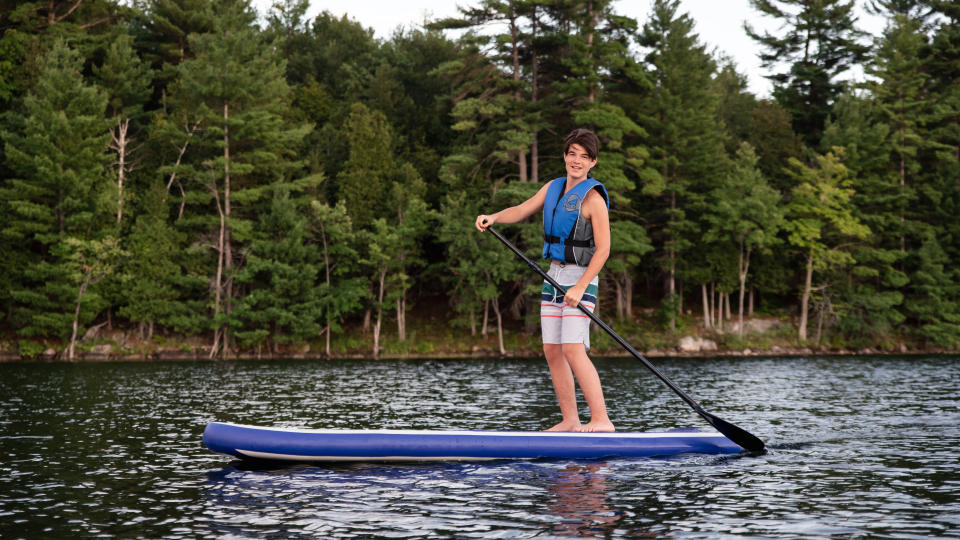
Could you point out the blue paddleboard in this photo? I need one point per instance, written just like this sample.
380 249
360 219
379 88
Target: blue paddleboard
312 445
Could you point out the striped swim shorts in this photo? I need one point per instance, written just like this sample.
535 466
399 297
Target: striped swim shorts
559 322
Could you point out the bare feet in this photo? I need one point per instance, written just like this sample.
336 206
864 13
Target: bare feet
599 426
566 426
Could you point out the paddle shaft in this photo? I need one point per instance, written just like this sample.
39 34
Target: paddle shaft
746 439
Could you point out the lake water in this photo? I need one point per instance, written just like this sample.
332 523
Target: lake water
857 447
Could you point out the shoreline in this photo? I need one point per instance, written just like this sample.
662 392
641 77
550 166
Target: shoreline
430 338
203 356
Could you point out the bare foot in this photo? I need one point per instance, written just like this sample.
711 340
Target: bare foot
599 426
566 426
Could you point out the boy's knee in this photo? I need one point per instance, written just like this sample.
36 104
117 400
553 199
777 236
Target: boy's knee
571 350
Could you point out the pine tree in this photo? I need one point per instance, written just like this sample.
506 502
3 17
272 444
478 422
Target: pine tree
820 42
166 27
501 101
597 55
364 182
152 276
899 95
282 300
869 300
463 248
127 82
942 154
775 142
933 299
56 151
686 140
735 106
235 97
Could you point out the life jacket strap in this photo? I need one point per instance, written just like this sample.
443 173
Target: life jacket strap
551 239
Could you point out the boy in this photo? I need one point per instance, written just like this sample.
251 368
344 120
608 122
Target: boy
577 240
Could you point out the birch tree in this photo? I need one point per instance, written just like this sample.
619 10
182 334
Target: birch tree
821 222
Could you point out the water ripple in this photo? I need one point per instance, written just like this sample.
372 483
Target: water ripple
857 447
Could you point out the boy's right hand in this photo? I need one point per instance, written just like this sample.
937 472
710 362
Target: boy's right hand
484 221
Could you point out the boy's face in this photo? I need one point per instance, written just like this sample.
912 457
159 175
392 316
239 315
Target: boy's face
578 162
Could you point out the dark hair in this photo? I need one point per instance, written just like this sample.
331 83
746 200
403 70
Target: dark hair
585 138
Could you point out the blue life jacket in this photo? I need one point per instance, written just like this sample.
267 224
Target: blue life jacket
567 236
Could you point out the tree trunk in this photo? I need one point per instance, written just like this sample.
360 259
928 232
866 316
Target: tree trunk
119 143
820 315
743 267
326 269
628 292
672 285
218 280
679 296
401 317
496 311
227 241
173 175
534 91
376 325
805 298
486 317
714 311
618 293
76 316
719 309
591 91
517 96
706 306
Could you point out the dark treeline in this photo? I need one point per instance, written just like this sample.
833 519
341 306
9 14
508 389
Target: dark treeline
194 168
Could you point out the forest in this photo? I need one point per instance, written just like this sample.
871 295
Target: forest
197 171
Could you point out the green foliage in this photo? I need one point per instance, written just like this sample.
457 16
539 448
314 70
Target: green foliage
275 174
152 273
686 141
821 216
933 302
364 182
819 42
56 152
281 303
341 289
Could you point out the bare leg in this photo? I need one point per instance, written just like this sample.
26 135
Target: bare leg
563 385
575 355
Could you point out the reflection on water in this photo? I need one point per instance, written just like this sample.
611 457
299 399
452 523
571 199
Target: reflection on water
858 447
409 499
579 499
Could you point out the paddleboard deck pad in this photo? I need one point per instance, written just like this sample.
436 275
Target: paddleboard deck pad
314 445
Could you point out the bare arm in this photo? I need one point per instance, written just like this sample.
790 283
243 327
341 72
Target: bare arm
515 213
594 209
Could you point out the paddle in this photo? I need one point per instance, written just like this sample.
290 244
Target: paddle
740 436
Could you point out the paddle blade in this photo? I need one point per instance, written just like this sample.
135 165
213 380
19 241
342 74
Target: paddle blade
740 436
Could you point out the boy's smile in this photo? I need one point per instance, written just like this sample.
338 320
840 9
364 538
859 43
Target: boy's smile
578 162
